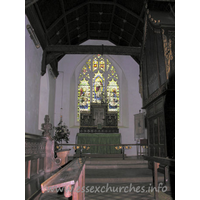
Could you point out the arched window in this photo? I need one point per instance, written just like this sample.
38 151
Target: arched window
98 81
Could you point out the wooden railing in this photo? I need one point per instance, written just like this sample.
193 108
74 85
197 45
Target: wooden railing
119 147
71 179
169 173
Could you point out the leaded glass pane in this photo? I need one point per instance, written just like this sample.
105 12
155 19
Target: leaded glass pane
102 64
98 87
83 97
89 64
108 65
95 64
113 96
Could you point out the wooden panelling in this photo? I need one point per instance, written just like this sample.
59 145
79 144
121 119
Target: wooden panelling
152 68
151 132
26 169
41 164
158 75
161 62
144 79
33 167
29 169
159 105
156 128
150 111
34 155
162 129
34 163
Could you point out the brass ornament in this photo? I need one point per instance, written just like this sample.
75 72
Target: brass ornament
118 147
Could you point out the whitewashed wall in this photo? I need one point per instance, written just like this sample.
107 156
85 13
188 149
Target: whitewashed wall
66 93
33 58
39 90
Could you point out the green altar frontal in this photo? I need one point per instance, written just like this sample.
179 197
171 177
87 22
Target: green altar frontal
99 138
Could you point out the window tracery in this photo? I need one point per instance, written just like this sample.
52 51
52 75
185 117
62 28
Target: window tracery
98 82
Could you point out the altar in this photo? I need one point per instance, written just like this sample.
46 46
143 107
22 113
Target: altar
99 126
100 139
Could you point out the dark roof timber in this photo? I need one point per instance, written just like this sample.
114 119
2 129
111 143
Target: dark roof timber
72 22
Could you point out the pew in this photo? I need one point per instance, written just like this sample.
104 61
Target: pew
70 181
169 173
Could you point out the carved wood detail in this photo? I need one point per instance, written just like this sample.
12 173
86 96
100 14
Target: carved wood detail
34 147
167 44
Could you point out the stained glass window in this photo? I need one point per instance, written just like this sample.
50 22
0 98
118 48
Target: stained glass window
95 64
108 64
103 86
113 96
102 64
98 87
89 64
84 70
83 97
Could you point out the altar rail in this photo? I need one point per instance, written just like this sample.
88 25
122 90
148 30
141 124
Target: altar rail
169 173
120 147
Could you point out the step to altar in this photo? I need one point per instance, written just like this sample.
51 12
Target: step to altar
115 170
88 155
112 161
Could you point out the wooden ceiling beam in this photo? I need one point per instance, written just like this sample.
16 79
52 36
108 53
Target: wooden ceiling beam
43 24
94 2
88 21
120 39
125 31
171 9
29 3
113 14
127 23
66 13
65 20
118 5
137 24
52 52
93 49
